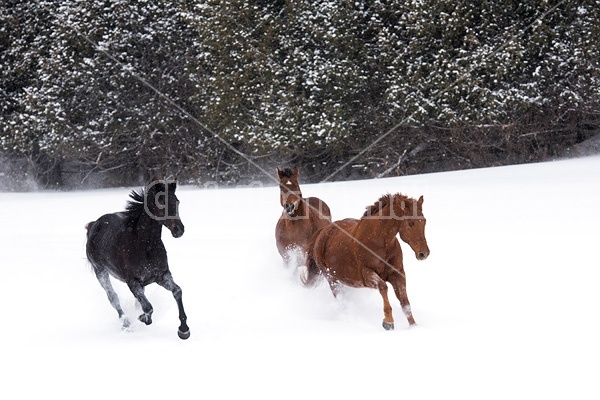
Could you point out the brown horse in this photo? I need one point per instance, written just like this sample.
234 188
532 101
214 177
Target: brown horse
301 216
367 253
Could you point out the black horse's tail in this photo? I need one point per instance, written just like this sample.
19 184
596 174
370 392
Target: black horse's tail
88 228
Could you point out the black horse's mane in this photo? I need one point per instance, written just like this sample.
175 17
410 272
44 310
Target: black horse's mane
135 206
286 172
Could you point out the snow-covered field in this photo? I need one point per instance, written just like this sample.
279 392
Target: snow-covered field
507 305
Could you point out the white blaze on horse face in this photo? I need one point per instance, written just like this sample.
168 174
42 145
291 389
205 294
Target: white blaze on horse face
288 183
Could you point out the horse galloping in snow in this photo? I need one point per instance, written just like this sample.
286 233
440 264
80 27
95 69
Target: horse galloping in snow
128 246
301 216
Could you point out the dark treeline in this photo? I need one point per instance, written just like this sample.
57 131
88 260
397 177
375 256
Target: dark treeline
106 93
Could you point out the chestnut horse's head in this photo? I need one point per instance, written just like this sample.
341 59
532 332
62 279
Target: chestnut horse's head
412 224
289 189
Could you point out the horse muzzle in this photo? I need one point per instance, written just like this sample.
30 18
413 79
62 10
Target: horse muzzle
176 229
289 208
177 233
422 255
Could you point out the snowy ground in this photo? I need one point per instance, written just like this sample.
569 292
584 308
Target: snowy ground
507 305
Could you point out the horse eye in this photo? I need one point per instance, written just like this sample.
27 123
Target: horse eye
411 224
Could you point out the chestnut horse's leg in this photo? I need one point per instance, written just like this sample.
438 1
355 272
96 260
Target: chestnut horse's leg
334 286
376 282
168 283
398 281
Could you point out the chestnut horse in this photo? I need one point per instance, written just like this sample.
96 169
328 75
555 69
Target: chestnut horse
367 253
301 216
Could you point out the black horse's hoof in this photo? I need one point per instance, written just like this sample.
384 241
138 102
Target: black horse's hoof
145 318
388 326
183 335
126 323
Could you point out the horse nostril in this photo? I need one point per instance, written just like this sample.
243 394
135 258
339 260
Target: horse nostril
422 256
177 231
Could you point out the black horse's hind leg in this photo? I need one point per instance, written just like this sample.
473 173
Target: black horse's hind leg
104 279
137 289
168 283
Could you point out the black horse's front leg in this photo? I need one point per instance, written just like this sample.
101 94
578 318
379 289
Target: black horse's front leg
137 289
168 283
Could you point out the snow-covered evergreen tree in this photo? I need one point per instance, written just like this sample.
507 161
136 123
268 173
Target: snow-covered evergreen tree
96 97
215 88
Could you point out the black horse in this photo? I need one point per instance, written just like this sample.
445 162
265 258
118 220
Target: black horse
128 246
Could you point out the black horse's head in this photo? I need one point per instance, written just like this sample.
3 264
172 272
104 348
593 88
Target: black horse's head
162 204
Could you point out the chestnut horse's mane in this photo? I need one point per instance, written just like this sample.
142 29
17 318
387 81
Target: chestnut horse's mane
383 201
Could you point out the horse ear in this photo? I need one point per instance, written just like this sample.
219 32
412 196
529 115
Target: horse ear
296 172
420 202
278 172
156 184
155 178
173 185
